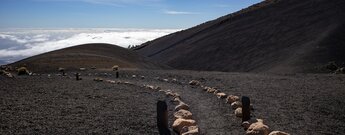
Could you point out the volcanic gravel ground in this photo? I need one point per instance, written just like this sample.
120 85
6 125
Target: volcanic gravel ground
37 105
297 104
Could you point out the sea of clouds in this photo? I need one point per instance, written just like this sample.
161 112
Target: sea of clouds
16 44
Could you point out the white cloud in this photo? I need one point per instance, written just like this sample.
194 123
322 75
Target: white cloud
36 41
221 6
109 2
180 13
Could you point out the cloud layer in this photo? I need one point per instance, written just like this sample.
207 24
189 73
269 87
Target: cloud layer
180 13
16 44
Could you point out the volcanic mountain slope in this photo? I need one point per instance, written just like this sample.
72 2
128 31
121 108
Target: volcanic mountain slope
87 56
281 36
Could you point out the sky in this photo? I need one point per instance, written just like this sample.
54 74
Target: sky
31 27
178 14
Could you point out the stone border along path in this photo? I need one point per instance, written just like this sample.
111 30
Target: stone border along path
183 124
252 126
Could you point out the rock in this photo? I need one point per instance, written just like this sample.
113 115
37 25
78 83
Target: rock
8 74
238 112
152 87
216 91
82 69
210 90
172 94
184 114
110 81
194 83
236 105
142 77
205 88
245 124
61 69
182 105
98 79
340 70
176 100
134 76
278 133
157 88
221 95
166 80
231 98
180 123
251 107
191 130
115 67
258 128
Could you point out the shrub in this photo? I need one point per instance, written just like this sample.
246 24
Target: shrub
23 71
340 70
332 66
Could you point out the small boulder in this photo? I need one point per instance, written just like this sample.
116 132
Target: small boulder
211 90
236 105
191 130
231 98
61 69
258 128
180 123
9 75
205 88
115 67
184 114
98 79
238 112
221 95
278 133
216 91
182 105
194 83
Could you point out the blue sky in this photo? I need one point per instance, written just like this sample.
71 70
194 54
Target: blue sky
114 13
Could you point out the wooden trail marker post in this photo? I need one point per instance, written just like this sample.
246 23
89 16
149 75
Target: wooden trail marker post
245 108
162 118
77 76
116 68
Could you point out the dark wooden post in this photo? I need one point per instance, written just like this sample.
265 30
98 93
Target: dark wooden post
77 76
245 108
162 118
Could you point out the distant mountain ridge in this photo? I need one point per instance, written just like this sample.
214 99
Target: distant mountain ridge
86 56
285 36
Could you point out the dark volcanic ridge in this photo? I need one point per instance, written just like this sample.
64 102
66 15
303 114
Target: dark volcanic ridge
88 56
280 36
